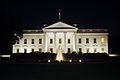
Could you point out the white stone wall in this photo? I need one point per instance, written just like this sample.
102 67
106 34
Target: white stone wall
74 45
21 46
91 45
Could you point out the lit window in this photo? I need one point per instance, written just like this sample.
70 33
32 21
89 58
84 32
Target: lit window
102 50
40 50
51 50
17 42
68 41
60 41
87 40
25 41
17 51
25 50
95 50
51 41
40 41
102 40
69 50
32 50
87 50
79 40
80 50
32 42
95 41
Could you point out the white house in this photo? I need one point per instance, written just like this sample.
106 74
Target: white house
64 37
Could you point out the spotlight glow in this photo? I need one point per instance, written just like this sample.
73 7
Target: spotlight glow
70 60
59 56
114 55
80 60
4 55
48 60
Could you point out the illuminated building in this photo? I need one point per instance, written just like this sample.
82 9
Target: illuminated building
63 37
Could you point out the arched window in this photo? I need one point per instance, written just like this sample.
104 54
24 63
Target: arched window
32 42
95 50
60 40
32 50
68 41
87 40
79 40
87 50
80 50
51 41
95 41
25 41
17 50
51 50
69 50
40 41
102 50
40 50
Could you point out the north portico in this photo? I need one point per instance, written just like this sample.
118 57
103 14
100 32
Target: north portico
64 38
60 33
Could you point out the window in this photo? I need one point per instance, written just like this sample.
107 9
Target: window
79 40
17 51
80 50
87 40
25 50
51 41
32 50
17 41
60 41
102 50
25 41
95 50
40 50
69 50
40 41
95 41
32 41
51 50
68 41
87 50
102 40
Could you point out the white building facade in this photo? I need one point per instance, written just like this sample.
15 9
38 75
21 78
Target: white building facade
65 37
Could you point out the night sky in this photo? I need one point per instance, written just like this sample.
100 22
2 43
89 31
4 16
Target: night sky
86 13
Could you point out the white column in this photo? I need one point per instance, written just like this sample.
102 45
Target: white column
75 42
54 42
74 49
45 42
65 51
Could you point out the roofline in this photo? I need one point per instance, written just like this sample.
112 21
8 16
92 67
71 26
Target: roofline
56 23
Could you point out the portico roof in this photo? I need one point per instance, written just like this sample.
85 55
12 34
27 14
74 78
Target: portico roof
60 26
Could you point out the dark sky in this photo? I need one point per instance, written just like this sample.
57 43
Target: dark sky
86 13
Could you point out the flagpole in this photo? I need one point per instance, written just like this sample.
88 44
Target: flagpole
59 15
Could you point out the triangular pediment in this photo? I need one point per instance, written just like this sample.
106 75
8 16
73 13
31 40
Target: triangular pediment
60 25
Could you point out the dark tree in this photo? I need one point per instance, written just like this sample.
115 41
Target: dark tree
10 29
